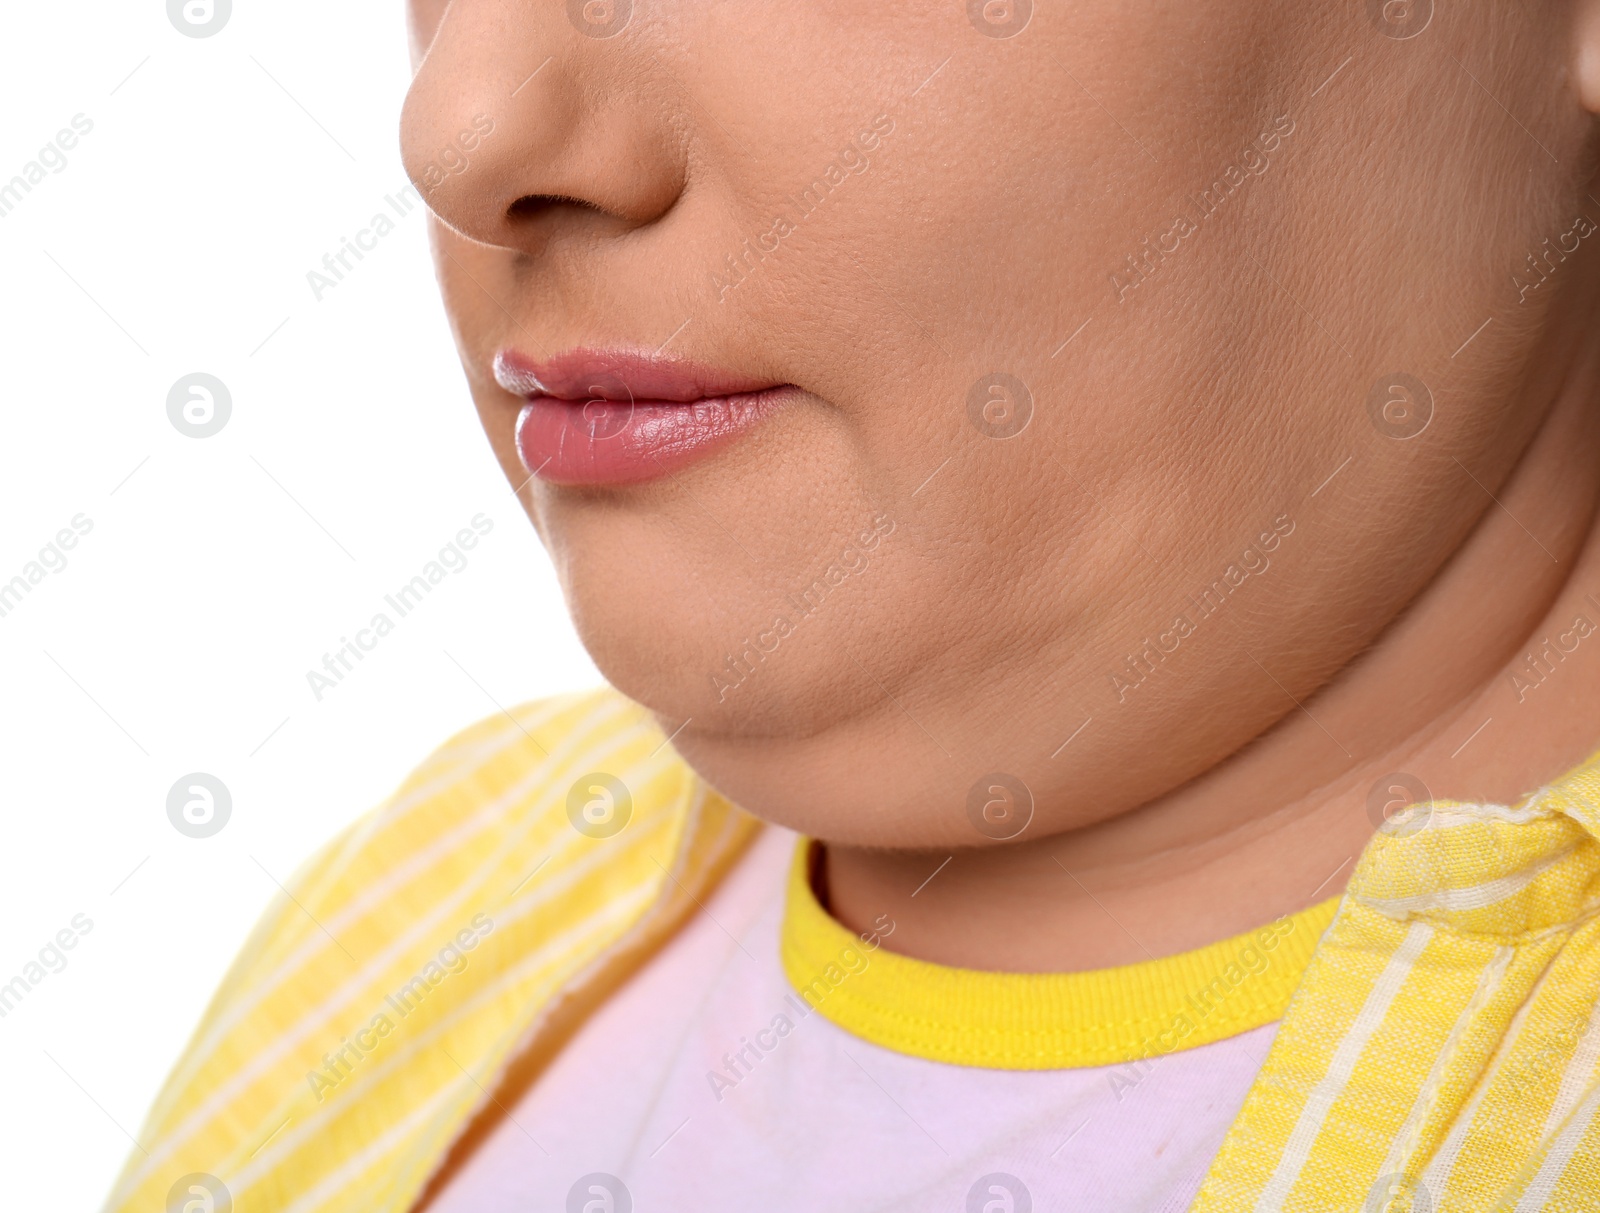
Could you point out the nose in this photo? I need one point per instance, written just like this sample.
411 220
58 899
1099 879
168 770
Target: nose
521 125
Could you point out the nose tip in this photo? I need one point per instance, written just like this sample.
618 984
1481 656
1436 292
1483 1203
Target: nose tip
514 119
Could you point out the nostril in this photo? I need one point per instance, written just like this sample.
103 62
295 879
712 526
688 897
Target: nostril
530 205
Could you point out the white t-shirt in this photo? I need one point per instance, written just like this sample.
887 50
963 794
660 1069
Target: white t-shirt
629 1117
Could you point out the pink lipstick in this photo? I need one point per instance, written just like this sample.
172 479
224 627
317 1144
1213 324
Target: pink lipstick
599 417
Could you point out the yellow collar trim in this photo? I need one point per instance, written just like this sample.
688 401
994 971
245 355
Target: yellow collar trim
1040 1021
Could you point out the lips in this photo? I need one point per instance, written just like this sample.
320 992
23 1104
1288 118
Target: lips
599 417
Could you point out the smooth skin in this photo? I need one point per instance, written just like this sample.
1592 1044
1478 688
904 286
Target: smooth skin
1387 195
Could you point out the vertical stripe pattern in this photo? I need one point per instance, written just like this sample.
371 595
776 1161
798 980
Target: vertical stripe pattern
1443 1039
372 1012
1441 1050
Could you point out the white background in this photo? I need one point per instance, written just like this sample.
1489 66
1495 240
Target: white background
218 571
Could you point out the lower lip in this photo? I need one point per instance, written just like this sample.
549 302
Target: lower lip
618 442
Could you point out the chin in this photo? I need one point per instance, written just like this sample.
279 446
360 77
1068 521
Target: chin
653 635
847 785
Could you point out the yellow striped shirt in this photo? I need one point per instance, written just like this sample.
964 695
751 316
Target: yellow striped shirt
1441 1047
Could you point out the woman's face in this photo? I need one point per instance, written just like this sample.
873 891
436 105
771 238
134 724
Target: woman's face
1094 362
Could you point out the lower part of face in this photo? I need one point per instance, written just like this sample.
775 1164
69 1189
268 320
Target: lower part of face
1079 308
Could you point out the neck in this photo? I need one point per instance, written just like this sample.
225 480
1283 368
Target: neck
1486 688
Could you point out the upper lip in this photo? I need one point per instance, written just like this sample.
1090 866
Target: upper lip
631 375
